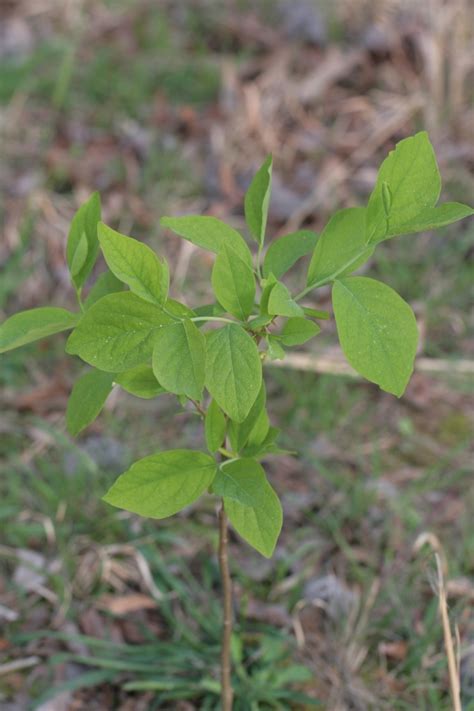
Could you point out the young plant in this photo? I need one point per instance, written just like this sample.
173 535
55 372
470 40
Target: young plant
143 341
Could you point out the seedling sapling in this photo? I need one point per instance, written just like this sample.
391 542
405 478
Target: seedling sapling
143 341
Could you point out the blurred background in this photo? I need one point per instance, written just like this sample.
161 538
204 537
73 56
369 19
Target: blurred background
168 107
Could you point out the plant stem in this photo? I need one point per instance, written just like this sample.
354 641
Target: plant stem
212 318
226 681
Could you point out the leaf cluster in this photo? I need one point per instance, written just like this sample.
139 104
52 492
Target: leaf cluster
135 336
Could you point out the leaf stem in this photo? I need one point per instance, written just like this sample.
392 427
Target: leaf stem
212 318
227 693
304 292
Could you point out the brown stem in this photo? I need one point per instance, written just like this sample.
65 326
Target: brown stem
226 682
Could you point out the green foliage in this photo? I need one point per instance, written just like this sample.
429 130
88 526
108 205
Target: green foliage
233 283
107 283
215 426
87 399
341 248
34 324
239 432
280 302
179 357
117 332
140 381
297 331
233 370
377 331
82 243
285 251
149 344
209 233
257 200
251 504
135 264
162 484
407 190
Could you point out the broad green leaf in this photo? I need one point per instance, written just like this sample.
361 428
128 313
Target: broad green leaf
259 519
285 251
261 449
87 399
82 243
162 484
179 358
275 350
209 310
233 370
233 283
107 283
259 321
341 248
377 331
135 264
240 480
267 286
239 432
117 332
297 331
209 233
408 182
433 217
215 427
257 200
259 430
280 302
176 308
34 324
140 381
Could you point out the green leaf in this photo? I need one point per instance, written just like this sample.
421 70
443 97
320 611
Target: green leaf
257 200
377 331
179 358
233 283
209 233
251 504
267 286
162 484
117 332
285 251
259 430
259 321
34 324
297 331
107 283
275 351
140 381
233 370
433 217
408 183
260 448
341 248
209 310
135 264
87 399
176 308
280 302
239 432
215 427
239 480
82 243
